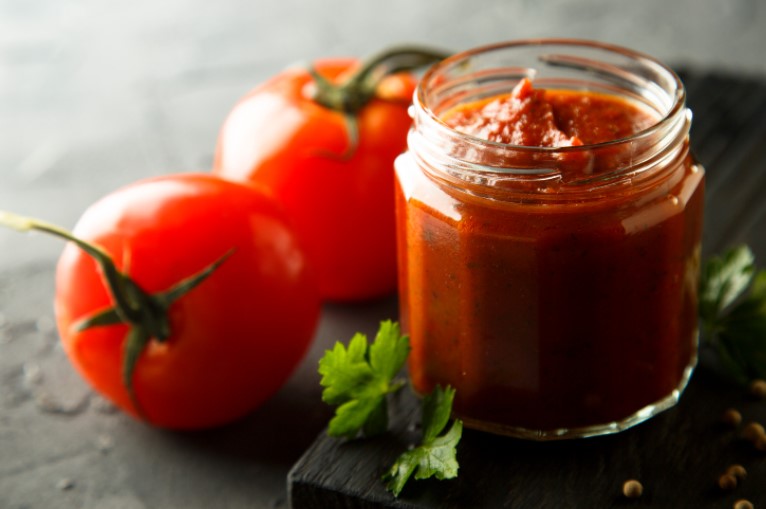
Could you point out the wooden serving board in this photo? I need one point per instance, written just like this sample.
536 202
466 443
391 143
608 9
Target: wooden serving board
678 455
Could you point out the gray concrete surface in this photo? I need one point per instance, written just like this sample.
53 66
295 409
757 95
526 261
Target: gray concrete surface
95 94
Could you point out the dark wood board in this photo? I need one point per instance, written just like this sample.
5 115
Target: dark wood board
677 455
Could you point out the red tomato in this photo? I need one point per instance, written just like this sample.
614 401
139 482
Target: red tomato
234 339
343 208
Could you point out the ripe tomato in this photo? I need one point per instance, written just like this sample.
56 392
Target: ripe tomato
340 198
234 339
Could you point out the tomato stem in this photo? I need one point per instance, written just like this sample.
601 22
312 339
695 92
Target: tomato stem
146 314
386 63
115 279
351 95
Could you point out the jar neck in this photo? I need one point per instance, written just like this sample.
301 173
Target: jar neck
504 171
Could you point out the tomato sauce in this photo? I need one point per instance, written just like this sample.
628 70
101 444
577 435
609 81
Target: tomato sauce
549 306
545 118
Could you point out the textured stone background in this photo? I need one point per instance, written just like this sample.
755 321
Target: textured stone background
95 94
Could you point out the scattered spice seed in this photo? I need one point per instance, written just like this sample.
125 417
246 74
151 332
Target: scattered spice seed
738 471
727 482
753 431
760 444
743 504
731 417
633 489
758 388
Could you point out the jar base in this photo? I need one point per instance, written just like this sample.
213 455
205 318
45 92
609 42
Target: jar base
607 428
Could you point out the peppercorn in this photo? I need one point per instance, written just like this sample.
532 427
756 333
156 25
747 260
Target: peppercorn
753 431
727 482
731 417
758 388
738 471
743 504
633 489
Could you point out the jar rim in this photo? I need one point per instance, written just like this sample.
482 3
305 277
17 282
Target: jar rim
676 107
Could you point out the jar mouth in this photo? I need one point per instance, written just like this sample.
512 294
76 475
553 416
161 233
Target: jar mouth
664 92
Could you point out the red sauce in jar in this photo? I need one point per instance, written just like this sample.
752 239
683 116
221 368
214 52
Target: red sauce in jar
550 118
559 313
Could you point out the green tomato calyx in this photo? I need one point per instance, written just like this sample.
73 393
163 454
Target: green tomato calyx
146 314
353 94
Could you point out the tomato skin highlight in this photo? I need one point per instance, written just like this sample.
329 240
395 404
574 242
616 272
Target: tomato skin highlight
235 338
342 207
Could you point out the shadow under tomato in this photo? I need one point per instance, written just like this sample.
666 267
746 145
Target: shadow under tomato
279 431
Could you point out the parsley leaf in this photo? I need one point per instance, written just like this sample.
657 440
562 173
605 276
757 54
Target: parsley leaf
732 308
359 377
722 280
436 456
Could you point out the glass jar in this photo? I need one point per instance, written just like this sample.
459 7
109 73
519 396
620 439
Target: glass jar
554 288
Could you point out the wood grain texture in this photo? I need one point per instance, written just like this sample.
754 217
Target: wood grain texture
678 455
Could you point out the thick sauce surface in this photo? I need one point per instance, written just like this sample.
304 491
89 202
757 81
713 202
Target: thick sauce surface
559 314
545 118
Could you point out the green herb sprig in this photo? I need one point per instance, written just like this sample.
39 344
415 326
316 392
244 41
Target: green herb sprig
732 310
436 455
358 379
